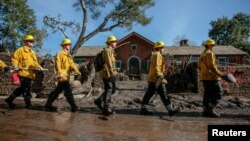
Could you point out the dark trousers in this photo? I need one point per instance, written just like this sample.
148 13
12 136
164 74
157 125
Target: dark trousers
109 89
23 89
61 86
213 92
162 91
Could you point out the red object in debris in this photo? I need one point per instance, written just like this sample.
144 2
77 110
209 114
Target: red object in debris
15 79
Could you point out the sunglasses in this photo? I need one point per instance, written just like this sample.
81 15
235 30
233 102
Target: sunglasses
67 44
31 41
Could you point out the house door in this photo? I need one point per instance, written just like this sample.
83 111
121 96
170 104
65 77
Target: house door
134 66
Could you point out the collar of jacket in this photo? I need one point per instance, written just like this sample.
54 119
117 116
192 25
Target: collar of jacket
208 50
65 52
109 48
27 49
157 52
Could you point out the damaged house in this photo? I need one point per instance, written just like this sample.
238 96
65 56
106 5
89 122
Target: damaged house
134 50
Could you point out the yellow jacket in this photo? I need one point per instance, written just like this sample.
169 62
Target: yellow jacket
208 67
157 66
63 65
25 59
2 64
109 63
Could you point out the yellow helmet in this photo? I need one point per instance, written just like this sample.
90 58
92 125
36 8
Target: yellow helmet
28 38
159 44
209 42
66 41
111 38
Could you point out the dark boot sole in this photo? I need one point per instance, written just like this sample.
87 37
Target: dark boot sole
76 109
10 104
51 109
210 115
98 104
108 113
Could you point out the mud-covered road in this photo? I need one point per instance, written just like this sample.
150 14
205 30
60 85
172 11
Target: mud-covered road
22 124
88 125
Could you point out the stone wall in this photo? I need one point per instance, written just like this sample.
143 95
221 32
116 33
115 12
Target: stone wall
45 83
188 80
5 82
242 75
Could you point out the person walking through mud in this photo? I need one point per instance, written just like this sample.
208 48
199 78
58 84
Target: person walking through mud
157 82
63 66
24 62
108 73
210 77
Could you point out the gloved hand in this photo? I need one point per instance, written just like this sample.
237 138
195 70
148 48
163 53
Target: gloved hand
158 81
77 76
77 73
229 78
15 68
117 69
42 69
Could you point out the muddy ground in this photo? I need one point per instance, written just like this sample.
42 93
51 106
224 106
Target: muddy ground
21 124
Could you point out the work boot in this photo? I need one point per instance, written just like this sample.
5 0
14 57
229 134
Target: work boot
171 110
9 101
28 103
48 105
209 112
75 109
214 113
50 108
107 110
99 103
144 110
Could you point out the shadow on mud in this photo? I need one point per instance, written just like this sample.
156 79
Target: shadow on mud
128 111
242 116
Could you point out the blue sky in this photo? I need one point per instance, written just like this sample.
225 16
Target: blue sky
171 18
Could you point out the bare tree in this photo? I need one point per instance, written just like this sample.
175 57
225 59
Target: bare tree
120 14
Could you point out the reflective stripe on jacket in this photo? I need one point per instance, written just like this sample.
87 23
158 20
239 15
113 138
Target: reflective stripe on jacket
157 66
208 67
2 64
109 63
64 64
25 59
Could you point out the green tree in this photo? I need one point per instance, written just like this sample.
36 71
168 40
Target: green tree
121 14
17 20
235 31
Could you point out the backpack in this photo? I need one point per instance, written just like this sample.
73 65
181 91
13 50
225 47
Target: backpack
99 62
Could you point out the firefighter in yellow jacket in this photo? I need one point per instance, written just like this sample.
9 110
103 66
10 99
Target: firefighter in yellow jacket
108 74
63 66
210 77
24 61
157 82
